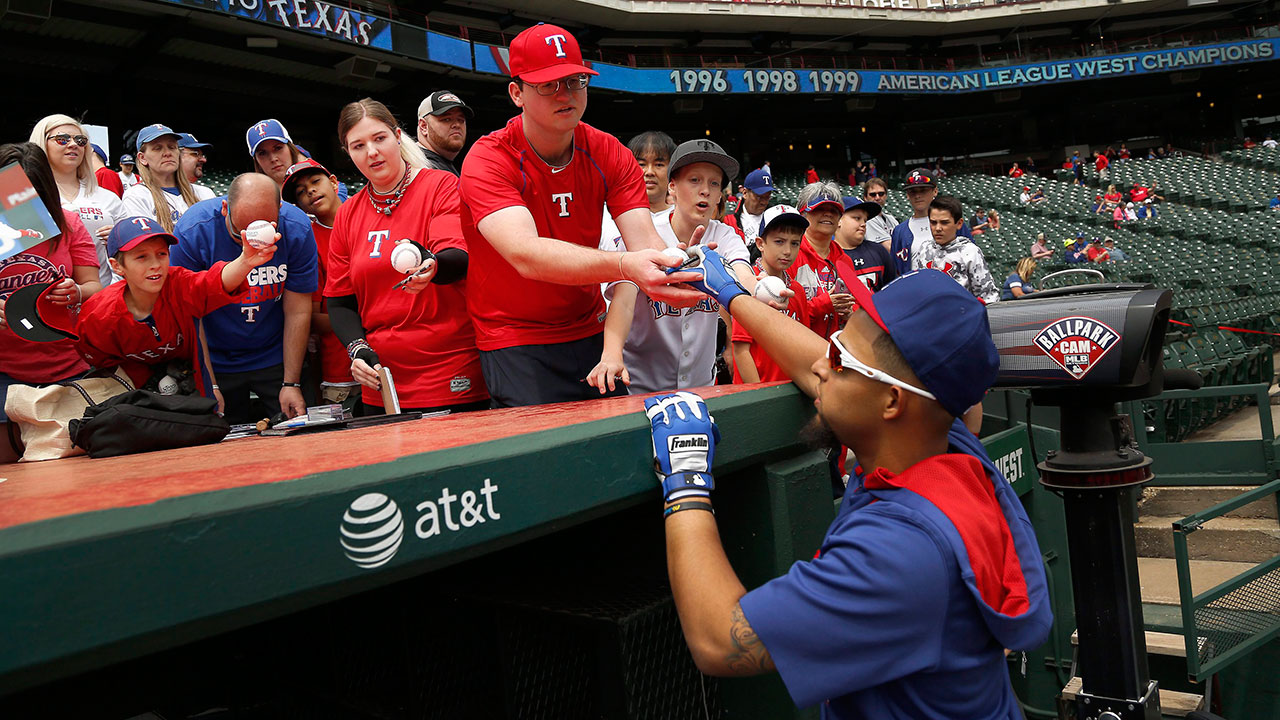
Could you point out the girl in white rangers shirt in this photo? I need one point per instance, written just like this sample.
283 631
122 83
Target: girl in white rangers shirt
66 145
651 346
953 255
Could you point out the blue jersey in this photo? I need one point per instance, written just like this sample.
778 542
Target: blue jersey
904 236
922 581
249 334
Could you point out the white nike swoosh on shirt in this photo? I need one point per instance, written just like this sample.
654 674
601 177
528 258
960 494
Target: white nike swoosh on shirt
555 170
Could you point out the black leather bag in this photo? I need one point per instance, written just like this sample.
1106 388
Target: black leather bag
142 421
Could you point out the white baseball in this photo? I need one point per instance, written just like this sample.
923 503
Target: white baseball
405 257
676 253
167 385
260 234
769 289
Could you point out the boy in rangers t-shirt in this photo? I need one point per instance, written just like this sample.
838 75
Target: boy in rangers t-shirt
150 318
312 188
782 232
533 198
649 345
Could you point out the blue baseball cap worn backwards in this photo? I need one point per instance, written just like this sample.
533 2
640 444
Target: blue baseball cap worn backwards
941 331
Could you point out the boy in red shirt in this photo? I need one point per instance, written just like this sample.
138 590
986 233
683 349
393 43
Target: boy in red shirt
150 318
781 234
314 189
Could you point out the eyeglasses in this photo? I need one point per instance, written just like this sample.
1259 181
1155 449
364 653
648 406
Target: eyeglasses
192 152
64 138
841 359
877 194
571 83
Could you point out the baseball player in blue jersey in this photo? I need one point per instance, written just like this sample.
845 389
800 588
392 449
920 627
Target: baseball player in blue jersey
930 569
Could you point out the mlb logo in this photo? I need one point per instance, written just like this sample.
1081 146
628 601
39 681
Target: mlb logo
1076 344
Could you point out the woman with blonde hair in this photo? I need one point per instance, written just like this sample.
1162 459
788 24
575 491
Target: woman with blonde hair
164 193
414 324
1018 283
67 149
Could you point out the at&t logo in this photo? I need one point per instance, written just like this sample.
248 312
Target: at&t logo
372 529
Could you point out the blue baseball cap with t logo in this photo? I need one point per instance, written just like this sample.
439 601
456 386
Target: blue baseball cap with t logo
758 182
127 233
268 129
154 132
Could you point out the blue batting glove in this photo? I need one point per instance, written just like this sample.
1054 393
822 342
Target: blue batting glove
684 444
718 280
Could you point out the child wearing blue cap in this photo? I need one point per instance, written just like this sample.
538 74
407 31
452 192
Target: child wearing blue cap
930 569
149 320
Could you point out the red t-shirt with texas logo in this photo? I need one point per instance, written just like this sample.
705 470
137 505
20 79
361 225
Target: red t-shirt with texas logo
425 339
32 362
503 171
111 336
335 365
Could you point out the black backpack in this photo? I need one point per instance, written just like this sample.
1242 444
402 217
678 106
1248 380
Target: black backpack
142 421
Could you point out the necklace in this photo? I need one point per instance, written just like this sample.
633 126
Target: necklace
386 202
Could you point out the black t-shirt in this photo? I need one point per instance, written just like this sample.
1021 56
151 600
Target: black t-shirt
873 265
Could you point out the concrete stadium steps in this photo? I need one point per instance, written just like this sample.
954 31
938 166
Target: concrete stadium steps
1179 502
1232 539
1159 578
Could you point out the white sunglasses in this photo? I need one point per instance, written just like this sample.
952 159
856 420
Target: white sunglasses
842 359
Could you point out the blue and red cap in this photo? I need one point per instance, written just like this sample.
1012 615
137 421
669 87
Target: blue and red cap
955 360
127 233
919 177
260 132
302 167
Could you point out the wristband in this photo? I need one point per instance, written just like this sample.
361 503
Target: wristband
679 507
297 385
215 387
698 482
355 346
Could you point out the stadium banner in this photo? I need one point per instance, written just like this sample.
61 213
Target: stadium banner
310 16
709 81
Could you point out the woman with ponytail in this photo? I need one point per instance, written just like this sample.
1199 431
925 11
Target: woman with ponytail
415 324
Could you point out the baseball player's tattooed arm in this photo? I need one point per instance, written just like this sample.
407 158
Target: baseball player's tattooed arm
707 591
513 233
617 326
793 346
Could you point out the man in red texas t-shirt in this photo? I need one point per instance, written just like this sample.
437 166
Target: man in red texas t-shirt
533 195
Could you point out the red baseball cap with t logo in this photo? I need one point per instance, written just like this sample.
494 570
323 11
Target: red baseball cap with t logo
544 53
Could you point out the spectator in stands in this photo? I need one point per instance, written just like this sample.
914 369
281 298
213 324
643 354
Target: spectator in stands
1275 202
859 173
921 188
955 255
1077 252
1115 253
1110 154
1038 196
1249 144
256 343
1269 143
1029 166
1100 165
871 171
1171 151
315 191
822 268
71 256
782 234
757 190
938 171
1138 193
128 178
872 264
533 195
105 176
414 325
272 150
1112 197
164 193
1040 249
1016 172
1124 152
148 321
442 129
1018 284
852 178
1096 252
768 170
1152 195
1158 154
1077 167
193 161
1146 210
879 227
647 346
811 175
653 150
993 220
1118 216
978 224
67 154
1129 213
1025 196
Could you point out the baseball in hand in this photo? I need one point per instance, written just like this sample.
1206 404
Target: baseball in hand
769 289
677 254
405 256
260 234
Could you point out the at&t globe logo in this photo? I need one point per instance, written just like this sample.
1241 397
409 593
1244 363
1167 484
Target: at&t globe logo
372 529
